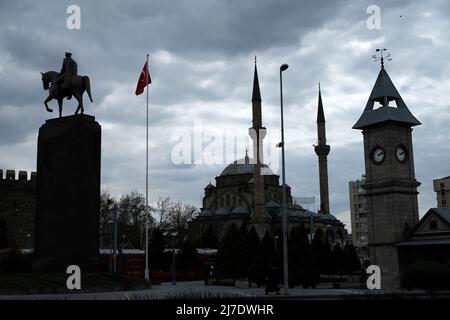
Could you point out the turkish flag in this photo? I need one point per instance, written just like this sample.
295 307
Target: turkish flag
144 80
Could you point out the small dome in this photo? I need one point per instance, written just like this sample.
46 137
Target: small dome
223 211
205 212
243 166
240 210
272 204
209 186
330 217
326 216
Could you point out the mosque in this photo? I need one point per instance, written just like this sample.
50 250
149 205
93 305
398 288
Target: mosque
248 192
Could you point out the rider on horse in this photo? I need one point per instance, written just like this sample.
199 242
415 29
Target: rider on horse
68 70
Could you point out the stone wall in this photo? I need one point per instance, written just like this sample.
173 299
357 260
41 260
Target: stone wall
17 207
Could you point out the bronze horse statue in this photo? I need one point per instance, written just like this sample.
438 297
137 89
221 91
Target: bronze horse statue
78 85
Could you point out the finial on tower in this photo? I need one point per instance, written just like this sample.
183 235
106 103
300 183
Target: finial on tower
256 96
381 57
320 113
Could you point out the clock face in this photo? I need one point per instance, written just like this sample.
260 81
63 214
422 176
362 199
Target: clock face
378 155
400 153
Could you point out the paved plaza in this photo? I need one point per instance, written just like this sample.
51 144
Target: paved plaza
197 290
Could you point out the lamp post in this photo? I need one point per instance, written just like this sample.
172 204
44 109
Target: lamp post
115 239
283 67
173 235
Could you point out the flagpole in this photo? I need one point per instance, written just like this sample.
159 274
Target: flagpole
147 273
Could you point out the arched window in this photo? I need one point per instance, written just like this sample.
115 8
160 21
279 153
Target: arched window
240 202
234 201
221 202
228 201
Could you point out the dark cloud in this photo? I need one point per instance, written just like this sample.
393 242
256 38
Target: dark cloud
201 63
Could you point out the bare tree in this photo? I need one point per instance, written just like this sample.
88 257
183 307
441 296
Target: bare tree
180 215
162 212
132 218
106 217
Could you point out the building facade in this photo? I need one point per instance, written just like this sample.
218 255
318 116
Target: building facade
248 192
359 218
442 189
390 185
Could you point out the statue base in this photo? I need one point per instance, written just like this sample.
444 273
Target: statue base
68 195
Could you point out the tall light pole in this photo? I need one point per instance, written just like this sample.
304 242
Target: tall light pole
283 67
172 235
115 208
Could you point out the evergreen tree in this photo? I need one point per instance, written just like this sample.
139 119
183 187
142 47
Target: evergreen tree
252 244
188 259
158 259
327 265
352 263
338 258
209 238
229 253
244 250
317 248
265 259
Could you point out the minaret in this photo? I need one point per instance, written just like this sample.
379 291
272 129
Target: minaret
322 150
257 133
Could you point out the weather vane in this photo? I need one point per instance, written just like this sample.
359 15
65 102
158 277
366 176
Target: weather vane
381 57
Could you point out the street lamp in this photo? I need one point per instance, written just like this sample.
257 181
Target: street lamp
113 206
283 67
173 235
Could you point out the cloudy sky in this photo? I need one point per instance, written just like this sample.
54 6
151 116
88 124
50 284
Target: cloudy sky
201 63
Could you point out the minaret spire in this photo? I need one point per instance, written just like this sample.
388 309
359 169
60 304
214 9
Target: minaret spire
257 132
320 114
257 118
256 96
322 150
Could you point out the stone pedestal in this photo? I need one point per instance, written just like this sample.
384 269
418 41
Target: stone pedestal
68 194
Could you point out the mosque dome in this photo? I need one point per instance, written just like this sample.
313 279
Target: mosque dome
243 166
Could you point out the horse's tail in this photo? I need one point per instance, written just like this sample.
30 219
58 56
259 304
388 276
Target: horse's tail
87 86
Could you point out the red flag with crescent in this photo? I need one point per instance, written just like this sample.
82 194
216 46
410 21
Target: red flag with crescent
144 80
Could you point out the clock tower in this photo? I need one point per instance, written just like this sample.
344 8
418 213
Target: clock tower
391 186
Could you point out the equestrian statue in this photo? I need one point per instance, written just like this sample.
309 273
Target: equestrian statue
65 84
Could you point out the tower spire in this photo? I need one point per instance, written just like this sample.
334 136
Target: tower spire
384 92
257 133
256 96
322 150
320 114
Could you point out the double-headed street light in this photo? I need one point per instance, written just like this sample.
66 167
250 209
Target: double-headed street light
283 67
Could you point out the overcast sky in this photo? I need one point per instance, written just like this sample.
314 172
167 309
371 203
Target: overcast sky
201 64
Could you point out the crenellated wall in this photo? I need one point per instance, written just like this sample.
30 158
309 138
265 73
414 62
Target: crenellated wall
17 206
